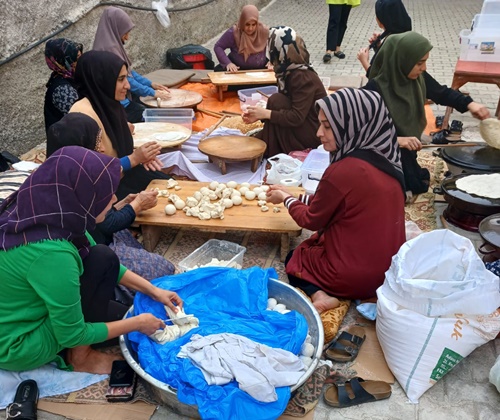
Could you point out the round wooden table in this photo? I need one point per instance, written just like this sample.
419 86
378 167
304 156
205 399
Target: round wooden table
179 98
222 149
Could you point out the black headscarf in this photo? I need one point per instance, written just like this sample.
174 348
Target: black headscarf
393 15
74 129
96 76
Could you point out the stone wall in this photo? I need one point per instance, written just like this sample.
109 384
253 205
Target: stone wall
23 23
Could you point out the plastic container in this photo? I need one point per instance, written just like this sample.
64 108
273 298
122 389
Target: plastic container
181 116
253 98
475 46
228 252
312 169
491 7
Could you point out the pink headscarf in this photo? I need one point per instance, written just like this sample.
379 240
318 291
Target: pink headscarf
250 44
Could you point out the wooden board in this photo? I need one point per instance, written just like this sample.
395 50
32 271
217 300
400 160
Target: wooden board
152 131
179 98
233 148
248 78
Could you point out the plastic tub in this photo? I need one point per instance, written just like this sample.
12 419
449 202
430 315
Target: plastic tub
229 253
312 169
181 116
252 97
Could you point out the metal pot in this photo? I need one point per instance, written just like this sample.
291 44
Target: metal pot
283 293
489 229
467 159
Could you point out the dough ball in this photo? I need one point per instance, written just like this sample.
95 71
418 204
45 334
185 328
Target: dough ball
227 203
307 350
258 190
271 303
245 184
265 188
243 190
279 308
262 196
308 338
179 204
235 192
249 195
170 209
213 185
306 360
237 200
198 195
232 184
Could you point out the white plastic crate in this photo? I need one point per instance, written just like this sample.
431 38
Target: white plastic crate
229 253
255 96
312 169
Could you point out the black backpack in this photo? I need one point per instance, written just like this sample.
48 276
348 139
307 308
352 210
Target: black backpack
186 56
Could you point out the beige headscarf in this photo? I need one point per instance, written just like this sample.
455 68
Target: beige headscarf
250 44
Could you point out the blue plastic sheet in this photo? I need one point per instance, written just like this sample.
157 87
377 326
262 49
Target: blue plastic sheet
224 300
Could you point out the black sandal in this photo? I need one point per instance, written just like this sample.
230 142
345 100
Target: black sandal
25 402
327 58
439 121
456 127
339 54
354 392
346 347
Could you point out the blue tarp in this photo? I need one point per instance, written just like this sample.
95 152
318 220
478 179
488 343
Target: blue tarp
224 300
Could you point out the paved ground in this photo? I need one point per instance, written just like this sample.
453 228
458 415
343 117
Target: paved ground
465 393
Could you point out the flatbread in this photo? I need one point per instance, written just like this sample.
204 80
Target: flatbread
490 132
256 74
487 185
169 136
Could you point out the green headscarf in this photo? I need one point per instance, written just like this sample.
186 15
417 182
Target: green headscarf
404 97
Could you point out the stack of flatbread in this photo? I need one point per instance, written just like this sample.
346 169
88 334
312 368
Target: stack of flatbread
490 132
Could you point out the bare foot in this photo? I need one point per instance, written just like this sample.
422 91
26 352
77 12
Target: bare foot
86 359
323 302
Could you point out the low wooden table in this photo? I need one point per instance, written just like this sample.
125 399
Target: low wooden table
248 77
222 149
247 217
474 72
179 98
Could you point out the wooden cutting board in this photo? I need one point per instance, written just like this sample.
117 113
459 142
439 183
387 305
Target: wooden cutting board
153 131
179 98
262 77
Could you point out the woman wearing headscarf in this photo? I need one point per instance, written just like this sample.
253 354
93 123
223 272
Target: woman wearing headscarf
392 18
61 56
56 283
357 211
399 75
290 120
102 83
77 129
112 33
246 41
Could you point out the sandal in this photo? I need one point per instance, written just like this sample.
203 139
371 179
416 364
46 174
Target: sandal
439 121
455 127
327 58
346 347
339 54
25 401
356 391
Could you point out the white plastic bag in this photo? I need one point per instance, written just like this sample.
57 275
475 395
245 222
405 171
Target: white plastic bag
283 167
161 12
437 304
495 374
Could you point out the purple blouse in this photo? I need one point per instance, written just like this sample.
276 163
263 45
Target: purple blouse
255 61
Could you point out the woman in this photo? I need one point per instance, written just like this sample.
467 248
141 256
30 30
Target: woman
392 18
399 74
246 42
357 211
77 129
102 82
290 120
338 14
56 283
61 56
112 33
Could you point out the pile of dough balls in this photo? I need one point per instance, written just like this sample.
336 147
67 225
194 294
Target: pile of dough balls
307 349
217 263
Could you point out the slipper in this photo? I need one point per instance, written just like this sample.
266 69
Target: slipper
356 391
25 401
346 347
339 54
455 127
327 57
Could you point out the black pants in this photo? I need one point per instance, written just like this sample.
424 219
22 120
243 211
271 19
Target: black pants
337 25
97 286
308 288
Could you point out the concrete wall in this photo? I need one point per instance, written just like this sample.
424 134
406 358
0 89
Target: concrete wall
22 23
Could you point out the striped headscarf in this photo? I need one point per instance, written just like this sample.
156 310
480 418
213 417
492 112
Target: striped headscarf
60 200
360 122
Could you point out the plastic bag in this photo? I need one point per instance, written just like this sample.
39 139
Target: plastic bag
161 12
495 374
283 167
437 304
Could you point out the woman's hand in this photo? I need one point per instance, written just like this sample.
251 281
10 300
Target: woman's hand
148 323
162 94
153 165
255 113
410 143
233 68
373 38
157 86
144 154
145 200
364 57
269 66
171 299
479 111
277 194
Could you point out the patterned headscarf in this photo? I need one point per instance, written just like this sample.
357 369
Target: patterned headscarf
250 44
360 121
96 74
114 23
61 55
287 52
74 129
60 200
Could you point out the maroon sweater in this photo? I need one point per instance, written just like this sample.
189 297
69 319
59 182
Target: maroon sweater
361 210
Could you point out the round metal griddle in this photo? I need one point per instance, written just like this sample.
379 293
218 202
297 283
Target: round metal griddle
466 210
480 159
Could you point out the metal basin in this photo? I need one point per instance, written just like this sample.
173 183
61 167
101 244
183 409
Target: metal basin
283 293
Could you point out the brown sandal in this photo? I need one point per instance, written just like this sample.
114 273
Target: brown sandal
346 347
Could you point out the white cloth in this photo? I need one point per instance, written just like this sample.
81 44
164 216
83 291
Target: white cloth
257 368
190 162
50 381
